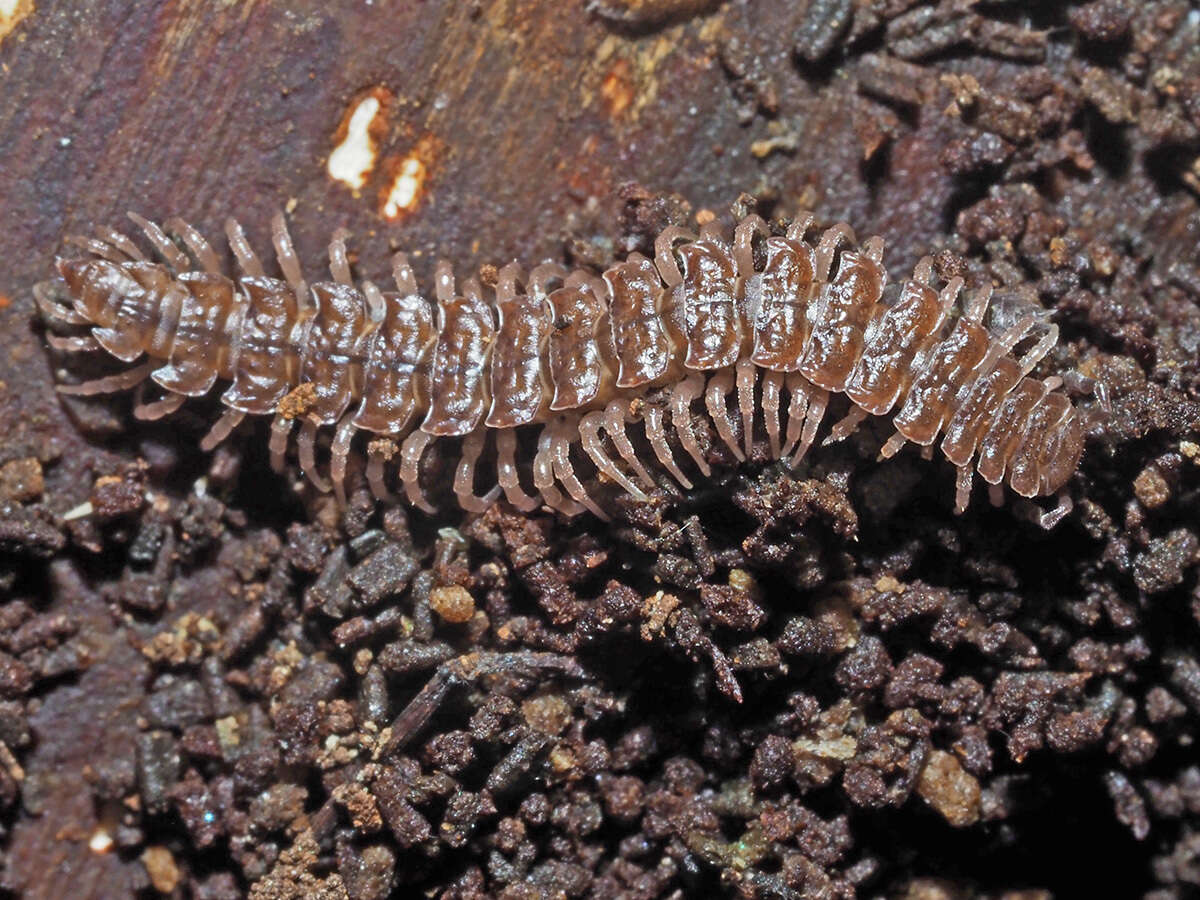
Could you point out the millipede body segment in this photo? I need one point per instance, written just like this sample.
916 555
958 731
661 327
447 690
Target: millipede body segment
759 329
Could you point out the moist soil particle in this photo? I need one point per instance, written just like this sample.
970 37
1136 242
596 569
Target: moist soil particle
216 684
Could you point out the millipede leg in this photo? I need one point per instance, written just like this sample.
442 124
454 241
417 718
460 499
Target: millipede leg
962 489
339 452
828 247
52 310
410 468
812 421
281 430
893 445
464 476
339 265
84 343
110 384
593 446
614 423
718 389
747 374
1103 397
1004 344
195 242
175 257
681 400
946 299
743 243
443 281
222 428
771 384
379 453
121 242
96 248
799 227
402 274
65 315
289 263
1030 360
542 277
846 426
242 250
561 448
664 253
306 447
978 304
873 249
157 409
657 436
799 391
543 476
506 471
376 305
1052 517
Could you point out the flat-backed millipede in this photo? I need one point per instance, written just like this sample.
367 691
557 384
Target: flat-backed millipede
732 325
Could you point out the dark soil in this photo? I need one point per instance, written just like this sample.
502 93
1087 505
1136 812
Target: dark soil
812 685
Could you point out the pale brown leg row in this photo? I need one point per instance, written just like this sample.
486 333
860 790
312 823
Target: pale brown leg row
289 263
110 384
379 451
410 468
593 446
464 475
281 430
681 400
718 389
962 489
339 452
245 254
222 428
798 393
747 373
543 476
743 243
507 474
306 447
656 434
339 265
158 409
812 421
1052 517
664 253
614 423
893 445
175 257
196 243
84 343
566 473
50 308
96 248
846 426
121 242
771 384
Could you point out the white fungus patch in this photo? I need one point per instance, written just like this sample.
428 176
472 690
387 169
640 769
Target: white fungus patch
352 160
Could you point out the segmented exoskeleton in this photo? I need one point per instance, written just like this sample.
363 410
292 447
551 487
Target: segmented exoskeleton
737 325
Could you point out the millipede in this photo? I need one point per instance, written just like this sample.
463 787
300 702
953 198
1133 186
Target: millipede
759 330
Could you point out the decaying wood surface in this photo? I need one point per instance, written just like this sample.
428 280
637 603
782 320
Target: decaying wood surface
527 117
